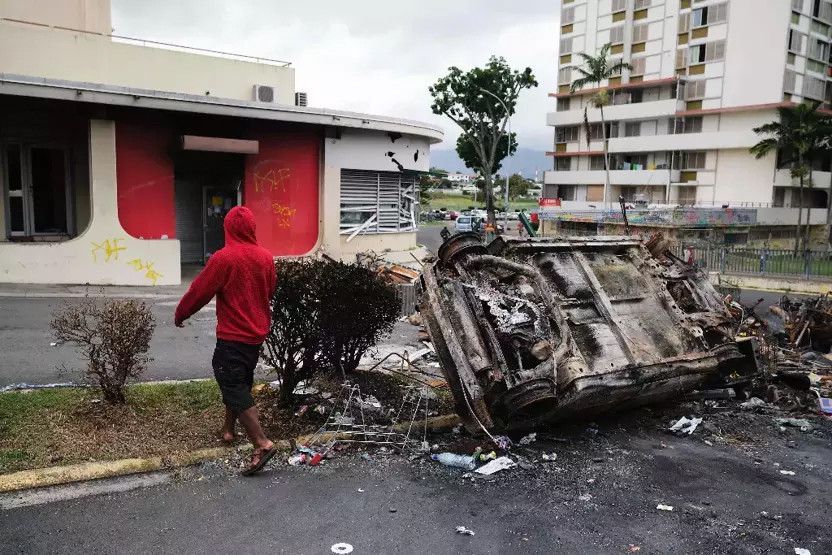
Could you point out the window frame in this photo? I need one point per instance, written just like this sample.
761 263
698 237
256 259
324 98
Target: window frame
26 192
366 202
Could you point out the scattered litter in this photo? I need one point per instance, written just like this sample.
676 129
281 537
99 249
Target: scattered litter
753 403
360 490
315 460
304 389
258 388
393 509
787 472
664 507
326 395
634 548
591 481
301 411
341 548
503 443
488 456
458 461
709 443
685 425
320 409
53 344
529 439
801 551
802 423
464 530
826 405
370 402
585 497
550 457
501 463
297 459
367 457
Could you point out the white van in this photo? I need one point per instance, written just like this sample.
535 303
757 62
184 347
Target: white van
464 223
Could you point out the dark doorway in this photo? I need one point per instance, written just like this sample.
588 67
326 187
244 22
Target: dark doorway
207 186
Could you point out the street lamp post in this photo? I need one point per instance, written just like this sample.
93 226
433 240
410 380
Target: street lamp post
508 154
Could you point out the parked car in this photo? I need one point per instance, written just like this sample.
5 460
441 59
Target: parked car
453 214
464 223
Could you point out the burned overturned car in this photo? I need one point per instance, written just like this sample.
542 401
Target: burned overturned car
539 330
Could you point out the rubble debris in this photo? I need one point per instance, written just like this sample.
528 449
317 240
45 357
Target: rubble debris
465 531
802 423
753 403
458 461
550 457
585 497
498 464
801 551
685 426
533 331
528 439
664 507
341 548
787 472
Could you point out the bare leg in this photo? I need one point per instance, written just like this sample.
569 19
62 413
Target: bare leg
250 419
228 426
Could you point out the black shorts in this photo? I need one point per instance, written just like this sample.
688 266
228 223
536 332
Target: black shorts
234 364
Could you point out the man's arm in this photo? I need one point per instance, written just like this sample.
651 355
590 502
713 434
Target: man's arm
207 284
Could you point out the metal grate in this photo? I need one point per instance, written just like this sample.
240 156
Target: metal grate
377 202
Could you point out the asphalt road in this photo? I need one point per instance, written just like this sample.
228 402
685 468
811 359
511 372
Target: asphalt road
600 496
29 356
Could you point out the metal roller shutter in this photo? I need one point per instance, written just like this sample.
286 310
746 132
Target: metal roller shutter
377 202
188 205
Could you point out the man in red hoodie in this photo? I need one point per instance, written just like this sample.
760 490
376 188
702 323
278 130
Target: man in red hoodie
242 277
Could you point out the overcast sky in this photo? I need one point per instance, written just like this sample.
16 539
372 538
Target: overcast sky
370 56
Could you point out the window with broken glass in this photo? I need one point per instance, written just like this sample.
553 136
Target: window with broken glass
377 202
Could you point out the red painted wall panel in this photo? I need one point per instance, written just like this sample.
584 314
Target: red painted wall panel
144 171
282 190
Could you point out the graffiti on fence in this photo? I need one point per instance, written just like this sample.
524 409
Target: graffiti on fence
676 217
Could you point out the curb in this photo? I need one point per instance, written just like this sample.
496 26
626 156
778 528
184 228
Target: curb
59 475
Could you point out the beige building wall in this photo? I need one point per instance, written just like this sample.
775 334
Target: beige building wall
103 254
83 15
76 56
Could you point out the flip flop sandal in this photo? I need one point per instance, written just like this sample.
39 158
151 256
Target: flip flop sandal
265 456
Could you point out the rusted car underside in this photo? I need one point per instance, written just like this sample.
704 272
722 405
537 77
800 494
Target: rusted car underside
539 330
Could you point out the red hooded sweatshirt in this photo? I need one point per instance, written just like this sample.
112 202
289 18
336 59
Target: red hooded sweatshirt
242 277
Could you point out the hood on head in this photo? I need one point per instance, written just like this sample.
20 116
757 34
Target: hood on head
239 226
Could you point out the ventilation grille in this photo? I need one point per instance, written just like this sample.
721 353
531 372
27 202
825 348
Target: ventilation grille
300 99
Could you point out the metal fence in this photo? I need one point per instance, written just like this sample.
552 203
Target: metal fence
407 296
729 260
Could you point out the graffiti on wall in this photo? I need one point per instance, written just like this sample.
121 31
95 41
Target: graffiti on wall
676 217
107 249
147 267
272 180
284 214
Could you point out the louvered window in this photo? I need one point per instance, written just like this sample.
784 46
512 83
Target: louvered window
619 5
617 35
565 46
567 16
377 202
638 65
639 33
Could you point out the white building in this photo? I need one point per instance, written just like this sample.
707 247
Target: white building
705 73
461 178
119 159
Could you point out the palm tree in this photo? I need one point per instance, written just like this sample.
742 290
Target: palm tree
797 137
594 71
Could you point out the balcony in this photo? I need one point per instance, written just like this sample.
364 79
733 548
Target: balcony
617 177
685 141
642 110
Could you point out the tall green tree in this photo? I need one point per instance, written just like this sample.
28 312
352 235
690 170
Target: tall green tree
480 101
593 71
797 137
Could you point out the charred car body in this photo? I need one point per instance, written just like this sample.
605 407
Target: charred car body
539 330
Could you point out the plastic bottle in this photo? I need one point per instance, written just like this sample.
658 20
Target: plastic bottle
458 461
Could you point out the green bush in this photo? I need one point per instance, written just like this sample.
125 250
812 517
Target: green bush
325 316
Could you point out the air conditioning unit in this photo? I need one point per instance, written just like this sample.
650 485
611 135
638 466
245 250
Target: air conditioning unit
300 99
264 93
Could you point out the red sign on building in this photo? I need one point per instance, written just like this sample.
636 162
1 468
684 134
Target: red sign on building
549 202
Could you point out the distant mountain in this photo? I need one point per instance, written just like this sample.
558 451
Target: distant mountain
524 161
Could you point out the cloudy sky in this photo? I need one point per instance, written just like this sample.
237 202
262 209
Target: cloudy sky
375 56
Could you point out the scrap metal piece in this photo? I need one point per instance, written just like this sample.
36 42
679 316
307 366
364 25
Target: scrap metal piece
542 329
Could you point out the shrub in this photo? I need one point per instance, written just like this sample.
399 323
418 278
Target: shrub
114 338
293 345
326 315
362 308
